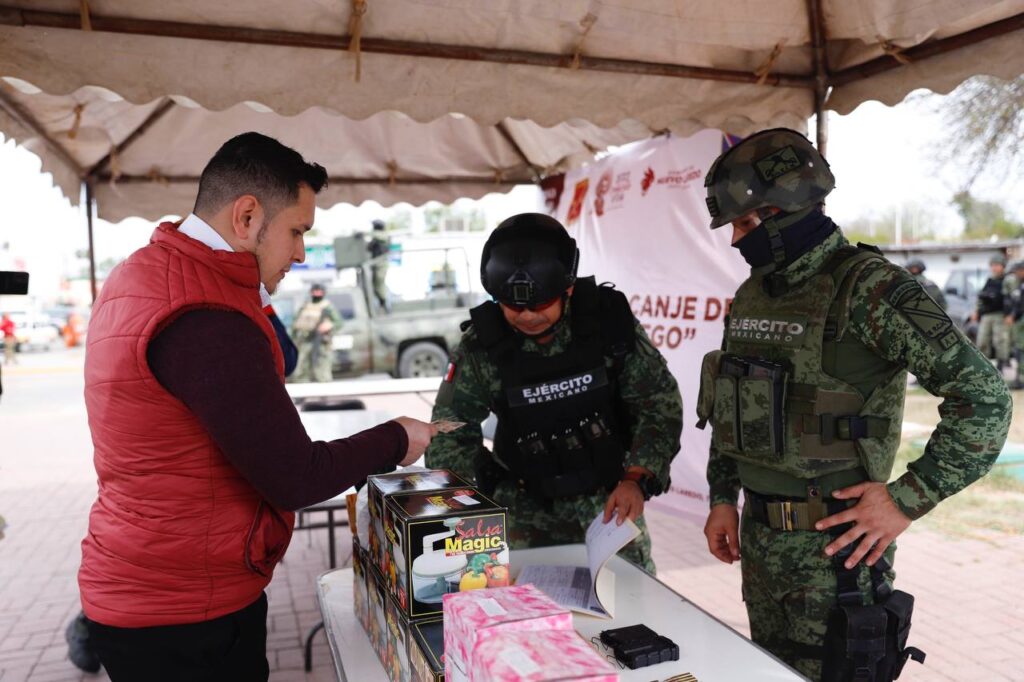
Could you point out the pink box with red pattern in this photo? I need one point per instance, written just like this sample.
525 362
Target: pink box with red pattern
473 617
539 657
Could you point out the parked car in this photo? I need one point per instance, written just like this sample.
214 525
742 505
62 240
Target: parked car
410 339
961 290
33 331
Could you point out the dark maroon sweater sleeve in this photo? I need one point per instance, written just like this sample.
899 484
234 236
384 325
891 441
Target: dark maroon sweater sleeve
221 366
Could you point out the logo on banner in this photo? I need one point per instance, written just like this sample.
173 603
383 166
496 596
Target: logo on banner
603 185
579 194
647 181
610 193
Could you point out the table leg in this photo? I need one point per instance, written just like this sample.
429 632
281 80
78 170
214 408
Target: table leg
309 645
330 537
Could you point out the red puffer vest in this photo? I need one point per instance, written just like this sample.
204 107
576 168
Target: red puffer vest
176 534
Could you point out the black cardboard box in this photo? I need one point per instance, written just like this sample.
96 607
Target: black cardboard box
440 542
378 487
426 650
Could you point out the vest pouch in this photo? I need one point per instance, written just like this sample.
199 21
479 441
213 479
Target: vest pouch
573 454
725 419
761 426
706 394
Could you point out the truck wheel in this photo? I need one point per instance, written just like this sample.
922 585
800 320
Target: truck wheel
423 359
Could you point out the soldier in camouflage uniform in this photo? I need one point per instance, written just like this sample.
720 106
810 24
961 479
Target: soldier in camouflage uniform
806 402
916 267
589 416
1017 300
994 314
312 331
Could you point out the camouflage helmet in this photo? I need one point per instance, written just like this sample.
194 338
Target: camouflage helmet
776 167
998 259
916 263
1018 265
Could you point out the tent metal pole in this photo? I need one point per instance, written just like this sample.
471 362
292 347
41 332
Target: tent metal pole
119 149
820 60
90 205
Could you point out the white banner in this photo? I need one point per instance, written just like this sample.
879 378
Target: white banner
641 222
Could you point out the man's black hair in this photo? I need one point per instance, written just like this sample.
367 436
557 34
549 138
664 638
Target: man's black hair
255 164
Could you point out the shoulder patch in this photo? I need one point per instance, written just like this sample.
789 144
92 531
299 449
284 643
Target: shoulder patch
924 314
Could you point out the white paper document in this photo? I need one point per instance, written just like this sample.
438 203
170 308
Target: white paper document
588 589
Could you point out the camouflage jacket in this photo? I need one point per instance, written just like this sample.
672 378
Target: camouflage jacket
976 407
647 388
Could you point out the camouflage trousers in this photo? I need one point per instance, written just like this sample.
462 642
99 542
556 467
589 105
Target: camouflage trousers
992 331
1018 347
533 524
789 587
314 364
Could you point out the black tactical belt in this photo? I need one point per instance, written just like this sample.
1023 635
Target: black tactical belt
790 513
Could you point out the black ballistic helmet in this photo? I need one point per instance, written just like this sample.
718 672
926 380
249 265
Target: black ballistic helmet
528 259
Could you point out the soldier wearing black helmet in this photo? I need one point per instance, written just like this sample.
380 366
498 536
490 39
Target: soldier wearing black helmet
805 400
589 416
916 267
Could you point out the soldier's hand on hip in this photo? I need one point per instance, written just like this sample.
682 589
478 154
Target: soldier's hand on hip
722 532
876 520
625 502
420 434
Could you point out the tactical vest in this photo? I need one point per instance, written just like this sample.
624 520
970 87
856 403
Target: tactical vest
310 316
793 393
562 429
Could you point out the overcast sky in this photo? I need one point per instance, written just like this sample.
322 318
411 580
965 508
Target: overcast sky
882 158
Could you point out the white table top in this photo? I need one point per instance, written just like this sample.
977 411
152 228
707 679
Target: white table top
708 648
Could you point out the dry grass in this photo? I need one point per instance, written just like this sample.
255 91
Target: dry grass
990 507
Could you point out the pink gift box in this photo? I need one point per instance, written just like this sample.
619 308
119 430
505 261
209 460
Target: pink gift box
471 618
539 657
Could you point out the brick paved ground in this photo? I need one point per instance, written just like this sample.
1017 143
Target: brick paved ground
970 596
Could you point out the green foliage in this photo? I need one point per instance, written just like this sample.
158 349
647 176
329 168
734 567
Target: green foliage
983 219
450 219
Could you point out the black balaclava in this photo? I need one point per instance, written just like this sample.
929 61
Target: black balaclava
798 238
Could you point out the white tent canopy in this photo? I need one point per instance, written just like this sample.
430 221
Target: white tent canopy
453 97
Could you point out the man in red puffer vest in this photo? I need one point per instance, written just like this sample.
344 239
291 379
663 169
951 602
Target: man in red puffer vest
200 454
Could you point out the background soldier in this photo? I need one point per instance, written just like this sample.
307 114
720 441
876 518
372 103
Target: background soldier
312 330
807 421
916 268
557 463
1017 299
994 314
379 248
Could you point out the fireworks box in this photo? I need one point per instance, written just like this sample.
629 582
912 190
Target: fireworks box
441 542
426 650
380 486
359 594
471 618
376 620
543 656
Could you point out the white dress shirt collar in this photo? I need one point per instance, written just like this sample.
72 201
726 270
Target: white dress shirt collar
200 230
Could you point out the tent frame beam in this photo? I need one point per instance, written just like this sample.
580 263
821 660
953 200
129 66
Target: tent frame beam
119 149
926 50
15 16
332 180
18 113
171 29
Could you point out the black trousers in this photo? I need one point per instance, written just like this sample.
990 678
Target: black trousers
232 647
